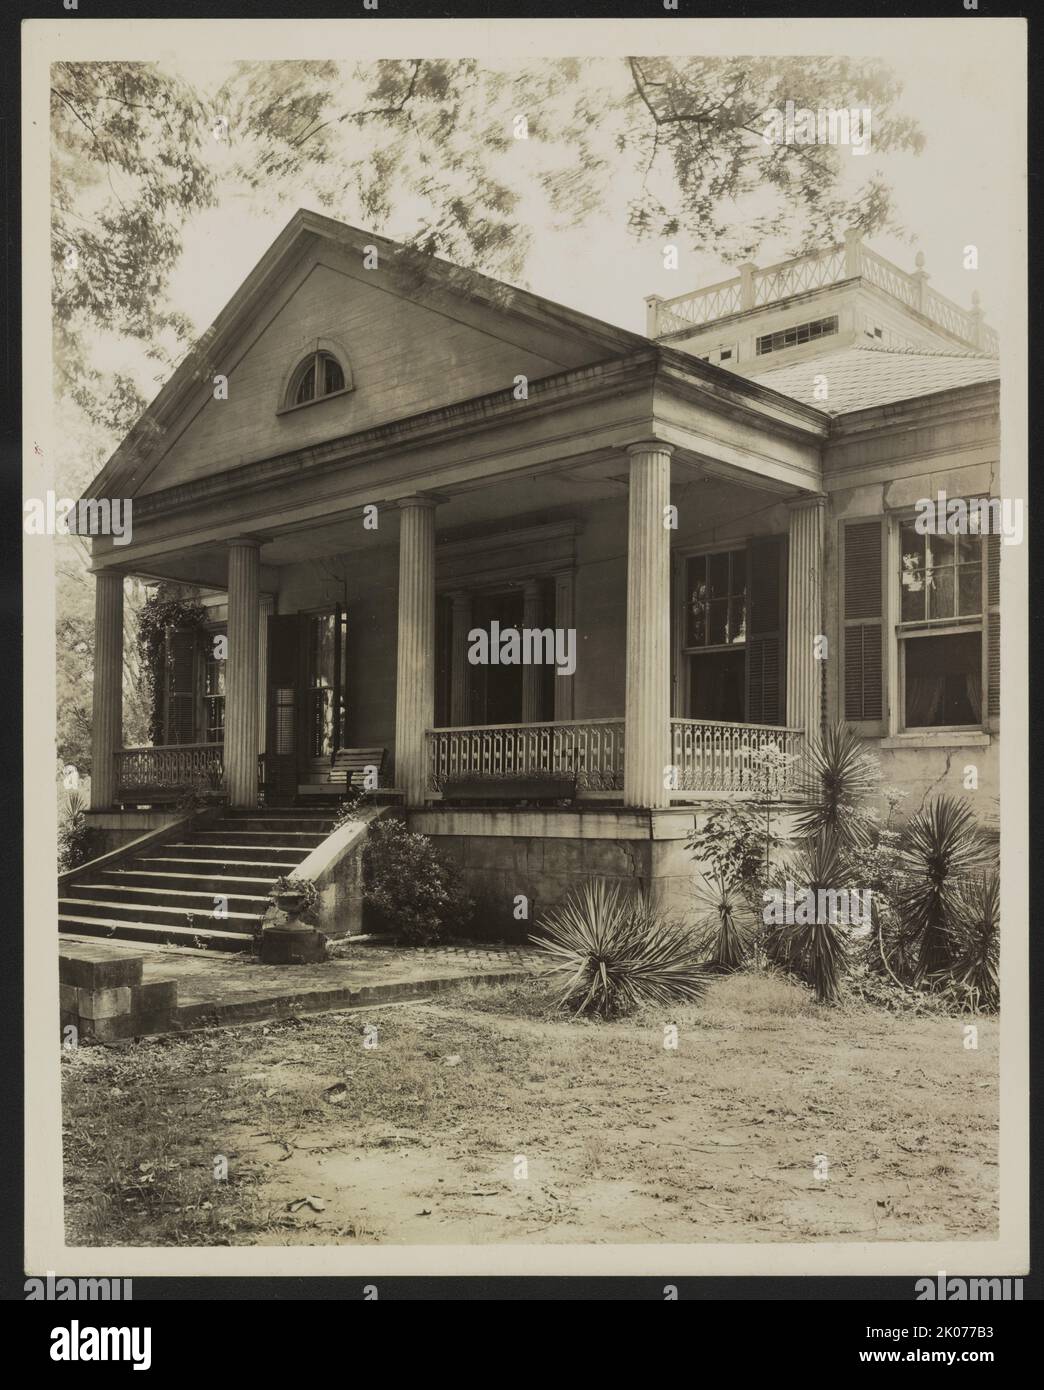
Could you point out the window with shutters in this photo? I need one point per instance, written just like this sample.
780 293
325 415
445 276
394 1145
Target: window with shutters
942 629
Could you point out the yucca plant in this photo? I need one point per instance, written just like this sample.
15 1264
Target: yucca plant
975 947
840 773
618 953
75 836
818 950
942 852
725 928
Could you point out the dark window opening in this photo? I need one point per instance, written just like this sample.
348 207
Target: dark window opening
717 689
943 680
794 337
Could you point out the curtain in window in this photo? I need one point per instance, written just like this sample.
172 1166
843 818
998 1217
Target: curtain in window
924 698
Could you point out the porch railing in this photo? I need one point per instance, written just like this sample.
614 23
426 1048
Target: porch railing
591 750
759 758
171 766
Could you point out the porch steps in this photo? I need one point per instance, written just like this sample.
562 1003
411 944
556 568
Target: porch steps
166 895
154 935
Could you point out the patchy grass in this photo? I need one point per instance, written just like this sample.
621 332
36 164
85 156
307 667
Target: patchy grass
486 1116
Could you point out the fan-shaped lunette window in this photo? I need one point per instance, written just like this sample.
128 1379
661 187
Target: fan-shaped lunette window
320 374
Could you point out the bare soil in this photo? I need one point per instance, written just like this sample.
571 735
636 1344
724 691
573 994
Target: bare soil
484 1118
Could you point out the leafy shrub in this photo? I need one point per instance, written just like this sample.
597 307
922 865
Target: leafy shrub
413 892
618 953
349 806
737 841
198 792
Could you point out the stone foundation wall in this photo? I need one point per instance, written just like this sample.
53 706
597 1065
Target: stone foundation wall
502 855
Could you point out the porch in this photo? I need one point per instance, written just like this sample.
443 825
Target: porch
664 669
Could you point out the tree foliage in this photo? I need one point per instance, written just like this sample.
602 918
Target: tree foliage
428 149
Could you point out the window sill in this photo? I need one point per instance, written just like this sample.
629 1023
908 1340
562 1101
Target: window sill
948 738
289 409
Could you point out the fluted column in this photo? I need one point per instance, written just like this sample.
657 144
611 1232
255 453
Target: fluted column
244 565
532 676
647 710
267 608
460 691
107 719
564 619
805 614
415 672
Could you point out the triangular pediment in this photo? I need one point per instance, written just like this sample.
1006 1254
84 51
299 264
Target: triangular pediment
414 334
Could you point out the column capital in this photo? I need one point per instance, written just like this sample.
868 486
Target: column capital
246 542
427 500
649 446
111 572
460 598
807 501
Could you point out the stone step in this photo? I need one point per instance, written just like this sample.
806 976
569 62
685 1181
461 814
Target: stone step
159 913
202 904
187 864
285 839
269 854
155 933
226 885
320 824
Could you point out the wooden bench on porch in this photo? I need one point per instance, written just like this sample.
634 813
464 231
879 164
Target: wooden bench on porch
348 768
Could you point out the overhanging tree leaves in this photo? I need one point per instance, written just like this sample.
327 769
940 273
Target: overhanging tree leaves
426 150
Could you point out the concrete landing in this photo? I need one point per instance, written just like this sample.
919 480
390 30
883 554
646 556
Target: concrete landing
218 990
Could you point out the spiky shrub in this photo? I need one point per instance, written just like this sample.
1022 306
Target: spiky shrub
76 839
973 974
617 953
840 774
817 950
725 925
942 853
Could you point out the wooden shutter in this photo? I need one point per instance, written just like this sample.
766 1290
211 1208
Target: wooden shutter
766 623
182 692
992 615
863 618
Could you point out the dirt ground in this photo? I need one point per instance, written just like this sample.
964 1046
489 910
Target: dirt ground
480 1117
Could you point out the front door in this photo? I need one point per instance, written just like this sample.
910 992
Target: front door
496 691
306 699
284 679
